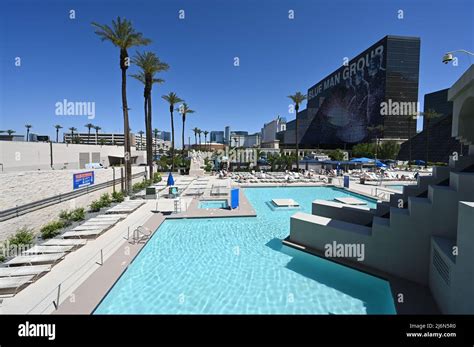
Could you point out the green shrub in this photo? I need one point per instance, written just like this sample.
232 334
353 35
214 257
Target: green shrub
95 206
78 214
23 236
117 197
65 215
52 229
157 177
105 200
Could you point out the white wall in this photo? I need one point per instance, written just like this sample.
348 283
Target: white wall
16 156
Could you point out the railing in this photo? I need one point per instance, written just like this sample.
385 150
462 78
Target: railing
39 204
381 193
51 301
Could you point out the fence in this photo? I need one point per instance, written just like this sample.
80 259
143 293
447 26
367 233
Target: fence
39 204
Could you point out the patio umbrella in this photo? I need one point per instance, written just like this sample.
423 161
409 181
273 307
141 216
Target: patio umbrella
170 181
380 164
362 160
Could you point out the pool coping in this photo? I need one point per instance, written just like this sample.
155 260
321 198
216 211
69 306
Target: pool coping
418 298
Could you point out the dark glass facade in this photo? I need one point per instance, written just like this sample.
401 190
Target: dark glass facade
438 102
345 107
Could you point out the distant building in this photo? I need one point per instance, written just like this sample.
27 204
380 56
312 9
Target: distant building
159 145
6 137
93 139
164 135
270 129
227 135
217 136
38 138
441 143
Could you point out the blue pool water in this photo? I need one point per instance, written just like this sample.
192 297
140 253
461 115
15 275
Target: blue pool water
239 266
213 204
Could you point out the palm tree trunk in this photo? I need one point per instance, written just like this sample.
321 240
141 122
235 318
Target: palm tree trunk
427 141
409 141
126 130
172 138
296 140
88 136
149 140
182 133
57 135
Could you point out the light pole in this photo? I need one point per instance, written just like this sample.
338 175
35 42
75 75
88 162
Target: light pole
449 56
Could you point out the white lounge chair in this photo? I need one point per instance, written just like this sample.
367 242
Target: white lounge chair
48 249
36 259
32 270
63 242
11 285
83 233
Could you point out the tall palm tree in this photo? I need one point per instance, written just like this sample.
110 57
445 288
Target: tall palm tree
123 35
155 132
429 115
28 127
10 132
172 99
409 120
149 64
184 110
196 132
57 126
89 126
376 130
97 128
72 133
205 138
297 99
141 132
199 135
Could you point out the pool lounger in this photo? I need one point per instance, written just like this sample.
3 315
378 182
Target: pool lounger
63 242
90 227
36 259
11 285
32 270
48 249
83 233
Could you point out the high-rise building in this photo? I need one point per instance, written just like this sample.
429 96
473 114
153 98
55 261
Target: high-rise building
379 87
270 129
217 136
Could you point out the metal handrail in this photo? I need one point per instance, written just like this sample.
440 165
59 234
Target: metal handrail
39 204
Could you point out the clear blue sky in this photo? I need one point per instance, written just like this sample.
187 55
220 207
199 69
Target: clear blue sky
64 59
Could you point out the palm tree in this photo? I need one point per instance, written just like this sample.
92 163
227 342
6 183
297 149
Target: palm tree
409 120
72 133
429 115
172 99
28 127
57 126
149 64
89 126
199 135
184 110
10 132
376 129
97 128
141 132
123 35
196 132
205 137
155 132
297 99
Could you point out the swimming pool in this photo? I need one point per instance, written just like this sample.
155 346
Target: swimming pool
239 266
213 204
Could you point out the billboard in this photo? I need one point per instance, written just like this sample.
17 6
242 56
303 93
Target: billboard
345 103
83 179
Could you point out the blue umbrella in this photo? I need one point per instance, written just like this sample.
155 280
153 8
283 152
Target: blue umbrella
170 181
420 162
362 160
380 164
